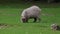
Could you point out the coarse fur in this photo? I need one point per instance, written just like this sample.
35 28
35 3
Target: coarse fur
31 12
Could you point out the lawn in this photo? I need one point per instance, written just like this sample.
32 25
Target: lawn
11 15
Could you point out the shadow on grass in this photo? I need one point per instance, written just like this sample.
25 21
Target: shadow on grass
58 28
32 22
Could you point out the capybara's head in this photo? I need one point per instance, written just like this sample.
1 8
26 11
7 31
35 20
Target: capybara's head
24 20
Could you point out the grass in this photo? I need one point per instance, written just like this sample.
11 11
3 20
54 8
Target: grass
10 14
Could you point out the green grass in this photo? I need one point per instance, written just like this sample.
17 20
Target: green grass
11 15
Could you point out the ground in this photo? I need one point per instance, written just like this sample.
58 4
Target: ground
10 16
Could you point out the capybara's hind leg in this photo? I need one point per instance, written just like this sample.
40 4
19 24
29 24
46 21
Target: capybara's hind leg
35 19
